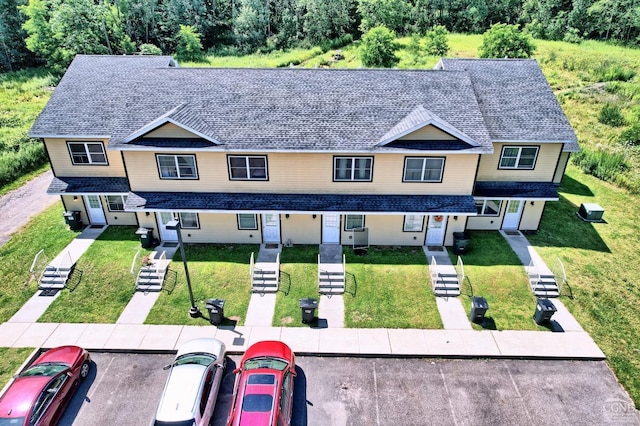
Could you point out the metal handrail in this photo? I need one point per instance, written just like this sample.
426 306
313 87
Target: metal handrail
134 263
460 270
162 263
533 274
278 268
433 270
559 270
251 262
35 260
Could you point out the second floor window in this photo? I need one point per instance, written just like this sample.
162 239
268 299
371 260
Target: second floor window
116 202
87 153
177 166
518 157
247 167
352 168
425 169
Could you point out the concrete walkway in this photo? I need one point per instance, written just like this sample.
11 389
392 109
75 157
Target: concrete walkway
39 303
305 340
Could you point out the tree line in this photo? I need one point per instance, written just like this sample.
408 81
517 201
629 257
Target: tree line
33 32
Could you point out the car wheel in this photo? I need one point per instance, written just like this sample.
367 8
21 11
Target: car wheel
84 370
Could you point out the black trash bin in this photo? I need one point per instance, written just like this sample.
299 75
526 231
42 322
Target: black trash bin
544 311
479 308
308 307
73 220
216 311
460 242
146 237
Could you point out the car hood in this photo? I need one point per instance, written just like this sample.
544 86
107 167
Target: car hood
20 397
206 345
181 393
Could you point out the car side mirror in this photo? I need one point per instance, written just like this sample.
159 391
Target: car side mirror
236 371
166 367
293 373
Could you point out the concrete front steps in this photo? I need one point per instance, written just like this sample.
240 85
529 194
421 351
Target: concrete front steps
544 285
447 285
55 278
150 279
331 278
265 278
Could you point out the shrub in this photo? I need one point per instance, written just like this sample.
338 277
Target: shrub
189 46
437 43
336 43
631 135
27 158
572 36
601 164
378 48
506 41
613 72
150 49
610 115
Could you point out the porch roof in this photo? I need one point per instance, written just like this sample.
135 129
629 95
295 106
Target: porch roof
88 185
521 190
300 203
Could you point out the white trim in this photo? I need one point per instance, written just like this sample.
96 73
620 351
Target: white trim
532 141
101 137
372 151
432 122
161 122
518 198
301 212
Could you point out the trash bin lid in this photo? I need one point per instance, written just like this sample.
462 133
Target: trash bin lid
308 303
218 303
142 231
546 305
479 302
67 214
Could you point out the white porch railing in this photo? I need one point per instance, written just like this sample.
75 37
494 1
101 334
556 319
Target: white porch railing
251 266
135 265
161 263
64 262
534 275
38 260
278 268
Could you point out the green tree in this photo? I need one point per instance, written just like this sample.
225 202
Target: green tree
326 20
437 41
378 48
150 49
188 46
13 51
250 25
393 14
506 41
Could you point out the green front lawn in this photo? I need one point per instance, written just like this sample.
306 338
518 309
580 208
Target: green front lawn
298 279
216 271
12 359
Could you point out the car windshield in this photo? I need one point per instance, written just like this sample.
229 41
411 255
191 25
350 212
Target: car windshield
265 362
195 358
45 369
12 421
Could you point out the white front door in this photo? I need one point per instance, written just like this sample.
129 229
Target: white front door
271 228
331 228
167 234
512 214
94 210
435 230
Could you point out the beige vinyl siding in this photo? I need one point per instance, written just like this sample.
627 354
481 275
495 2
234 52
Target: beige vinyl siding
427 133
148 221
531 215
220 228
301 173
487 223
453 225
562 165
62 165
170 130
301 229
385 230
119 218
544 171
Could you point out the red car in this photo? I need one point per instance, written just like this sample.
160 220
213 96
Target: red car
263 391
39 395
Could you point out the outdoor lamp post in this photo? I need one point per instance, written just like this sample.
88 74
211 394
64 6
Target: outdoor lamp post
174 225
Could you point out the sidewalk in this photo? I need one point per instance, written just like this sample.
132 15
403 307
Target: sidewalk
310 341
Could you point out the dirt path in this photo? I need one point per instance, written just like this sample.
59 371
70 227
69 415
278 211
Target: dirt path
20 205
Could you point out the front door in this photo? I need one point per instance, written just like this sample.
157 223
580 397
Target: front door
331 228
271 228
94 210
435 230
512 214
167 234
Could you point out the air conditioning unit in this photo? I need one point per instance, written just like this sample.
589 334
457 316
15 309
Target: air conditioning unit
590 212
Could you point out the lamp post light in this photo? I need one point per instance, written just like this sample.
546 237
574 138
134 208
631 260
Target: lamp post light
174 225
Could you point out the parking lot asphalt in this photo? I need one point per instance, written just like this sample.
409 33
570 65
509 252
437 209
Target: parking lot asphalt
124 389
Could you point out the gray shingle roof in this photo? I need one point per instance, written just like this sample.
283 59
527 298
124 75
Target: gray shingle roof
255 109
528 190
84 185
252 202
516 100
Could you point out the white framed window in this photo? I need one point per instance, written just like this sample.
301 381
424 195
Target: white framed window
349 169
189 220
518 157
353 221
423 169
247 221
87 153
413 223
247 167
116 202
177 166
488 207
